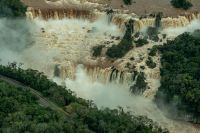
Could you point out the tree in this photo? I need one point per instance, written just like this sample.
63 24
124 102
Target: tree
118 51
140 86
141 42
97 50
12 8
185 4
150 63
180 81
127 2
20 111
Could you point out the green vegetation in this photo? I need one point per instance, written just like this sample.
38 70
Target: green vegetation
140 85
154 50
97 50
12 8
118 51
21 112
141 42
127 2
185 4
150 63
40 82
153 31
180 72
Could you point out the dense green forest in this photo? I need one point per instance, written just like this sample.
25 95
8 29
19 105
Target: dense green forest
39 81
19 106
180 76
12 8
20 112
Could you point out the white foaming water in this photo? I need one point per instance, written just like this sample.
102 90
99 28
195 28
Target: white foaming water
54 42
173 32
114 95
71 40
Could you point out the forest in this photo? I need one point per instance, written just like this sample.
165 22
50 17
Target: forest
180 77
19 106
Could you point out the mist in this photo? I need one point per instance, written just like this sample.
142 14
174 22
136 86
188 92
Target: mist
15 34
23 41
18 45
37 50
15 38
114 95
173 32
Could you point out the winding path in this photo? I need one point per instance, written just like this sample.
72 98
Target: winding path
41 99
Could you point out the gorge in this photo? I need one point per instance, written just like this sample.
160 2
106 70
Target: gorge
63 33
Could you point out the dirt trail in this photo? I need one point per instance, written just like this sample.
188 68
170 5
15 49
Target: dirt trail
42 100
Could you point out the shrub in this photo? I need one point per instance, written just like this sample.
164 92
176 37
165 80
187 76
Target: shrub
141 42
127 2
150 63
154 50
118 51
185 4
97 50
140 86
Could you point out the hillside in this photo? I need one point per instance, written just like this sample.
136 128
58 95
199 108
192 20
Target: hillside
21 108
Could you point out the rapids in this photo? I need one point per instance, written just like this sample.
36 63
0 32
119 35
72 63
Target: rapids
63 39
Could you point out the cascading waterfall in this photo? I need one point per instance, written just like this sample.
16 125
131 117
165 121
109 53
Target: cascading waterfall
71 33
76 41
115 17
61 14
105 75
166 22
112 95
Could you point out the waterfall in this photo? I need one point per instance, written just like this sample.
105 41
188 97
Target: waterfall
61 44
95 73
61 14
166 22
84 10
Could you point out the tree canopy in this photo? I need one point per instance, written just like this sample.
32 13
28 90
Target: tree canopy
180 72
12 8
185 4
21 109
126 44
